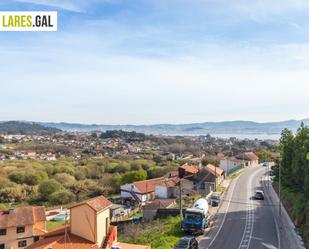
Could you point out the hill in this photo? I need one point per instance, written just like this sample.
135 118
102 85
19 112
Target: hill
213 128
24 128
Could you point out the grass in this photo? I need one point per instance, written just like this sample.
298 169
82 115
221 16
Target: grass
235 174
160 234
220 189
51 225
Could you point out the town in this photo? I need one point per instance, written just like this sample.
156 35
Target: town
106 189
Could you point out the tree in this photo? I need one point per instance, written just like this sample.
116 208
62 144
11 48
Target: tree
133 176
18 177
61 197
64 179
116 181
35 178
46 188
79 189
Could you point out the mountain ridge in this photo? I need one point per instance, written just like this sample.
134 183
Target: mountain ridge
223 127
212 128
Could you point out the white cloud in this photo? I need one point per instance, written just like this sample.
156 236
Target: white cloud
71 5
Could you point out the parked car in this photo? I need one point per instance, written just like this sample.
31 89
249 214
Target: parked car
259 195
187 243
214 200
264 164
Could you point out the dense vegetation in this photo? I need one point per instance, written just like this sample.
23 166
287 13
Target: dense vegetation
294 164
160 233
15 127
129 136
65 180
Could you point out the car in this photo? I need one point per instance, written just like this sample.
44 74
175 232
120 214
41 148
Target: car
264 164
259 195
214 200
187 243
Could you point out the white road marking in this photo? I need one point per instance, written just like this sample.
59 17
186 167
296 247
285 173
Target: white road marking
226 211
248 230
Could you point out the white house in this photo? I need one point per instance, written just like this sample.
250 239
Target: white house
242 160
166 189
141 191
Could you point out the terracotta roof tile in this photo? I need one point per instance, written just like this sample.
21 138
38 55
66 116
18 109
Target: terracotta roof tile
59 242
148 186
97 203
213 169
169 182
190 169
249 156
21 216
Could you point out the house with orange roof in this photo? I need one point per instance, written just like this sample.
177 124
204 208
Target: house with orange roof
142 191
166 189
246 159
21 226
208 178
89 228
187 171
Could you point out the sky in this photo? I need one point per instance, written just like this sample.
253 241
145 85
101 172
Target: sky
158 61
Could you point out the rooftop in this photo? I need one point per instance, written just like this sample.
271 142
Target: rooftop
148 186
56 239
189 169
215 170
97 203
21 216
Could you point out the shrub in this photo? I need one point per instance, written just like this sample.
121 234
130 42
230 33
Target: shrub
18 177
64 179
46 188
61 197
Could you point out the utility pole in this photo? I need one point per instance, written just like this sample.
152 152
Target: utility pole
180 200
180 196
65 229
280 190
215 178
268 176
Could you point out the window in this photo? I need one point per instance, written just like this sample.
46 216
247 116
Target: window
2 246
20 229
22 243
2 232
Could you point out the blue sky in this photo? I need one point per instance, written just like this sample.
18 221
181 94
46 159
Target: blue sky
158 61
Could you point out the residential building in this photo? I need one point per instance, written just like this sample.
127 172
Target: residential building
166 189
141 191
22 226
245 159
217 172
207 179
187 171
89 228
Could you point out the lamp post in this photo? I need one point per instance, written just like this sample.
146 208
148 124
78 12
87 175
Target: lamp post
280 190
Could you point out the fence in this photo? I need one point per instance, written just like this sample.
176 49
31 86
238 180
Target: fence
125 216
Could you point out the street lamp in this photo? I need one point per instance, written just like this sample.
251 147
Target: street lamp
280 189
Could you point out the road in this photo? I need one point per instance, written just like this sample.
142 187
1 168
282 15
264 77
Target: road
243 222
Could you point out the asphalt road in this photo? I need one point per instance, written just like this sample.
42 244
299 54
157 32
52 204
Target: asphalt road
243 222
